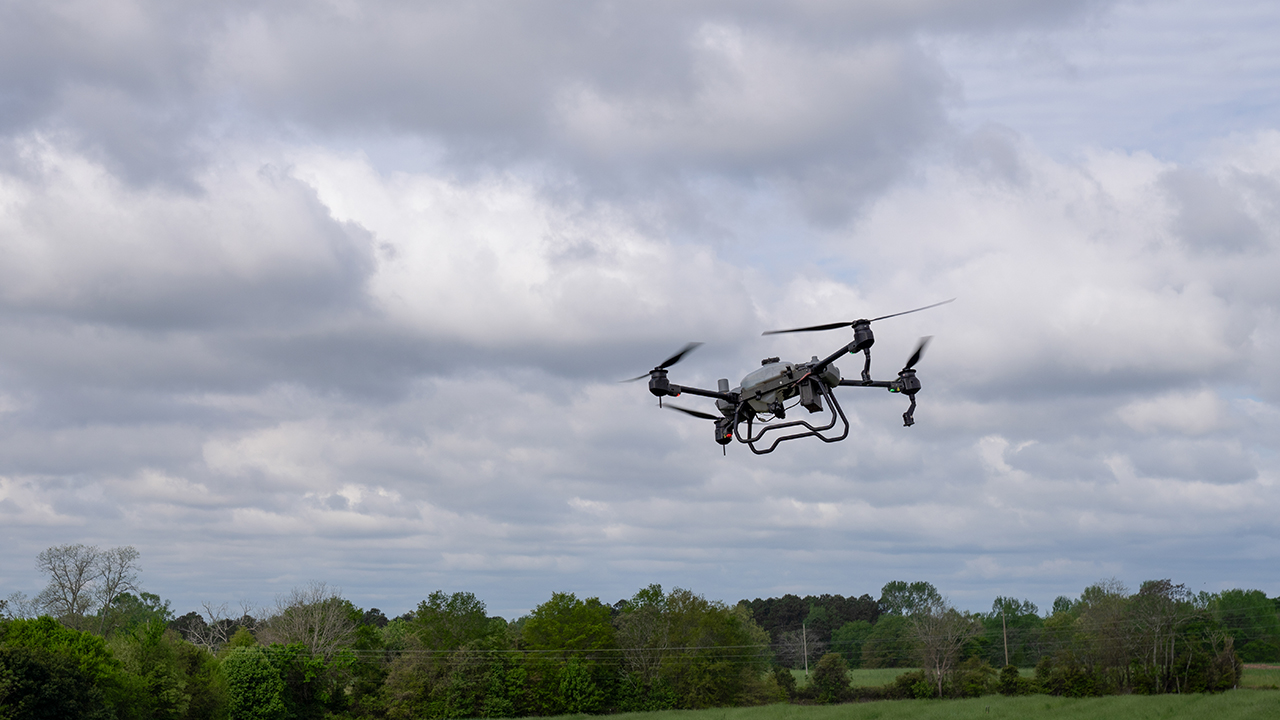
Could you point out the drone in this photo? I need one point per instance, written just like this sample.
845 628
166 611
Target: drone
760 403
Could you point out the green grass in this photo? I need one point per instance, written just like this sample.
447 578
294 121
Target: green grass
866 677
1261 677
1234 705
861 677
1266 677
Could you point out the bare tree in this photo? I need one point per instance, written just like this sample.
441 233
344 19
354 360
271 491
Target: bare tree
210 632
117 572
941 634
19 607
83 578
213 627
796 648
72 570
315 616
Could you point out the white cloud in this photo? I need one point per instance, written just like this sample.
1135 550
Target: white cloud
1190 413
275 307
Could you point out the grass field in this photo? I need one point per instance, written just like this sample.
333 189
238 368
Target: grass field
860 677
1234 705
1255 676
1261 676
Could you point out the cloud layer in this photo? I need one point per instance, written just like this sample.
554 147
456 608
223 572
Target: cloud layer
343 294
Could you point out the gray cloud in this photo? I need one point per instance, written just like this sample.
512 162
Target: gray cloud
372 335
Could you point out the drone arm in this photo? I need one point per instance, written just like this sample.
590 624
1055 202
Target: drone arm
905 384
679 389
822 364
870 383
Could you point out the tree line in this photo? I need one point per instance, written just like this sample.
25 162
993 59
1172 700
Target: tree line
94 645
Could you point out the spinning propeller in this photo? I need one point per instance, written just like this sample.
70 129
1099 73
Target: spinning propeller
668 362
915 356
853 323
907 383
724 426
695 413
863 338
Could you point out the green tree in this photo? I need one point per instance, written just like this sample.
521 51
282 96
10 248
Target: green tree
724 655
644 633
314 686
569 625
206 687
819 623
255 690
445 622
369 667
1160 639
849 640
442 662
566 627
901 598
1251 619
1014 626
579 690
129 611
89 652
151 662
889 644
40 683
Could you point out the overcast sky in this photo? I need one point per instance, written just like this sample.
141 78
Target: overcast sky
341 291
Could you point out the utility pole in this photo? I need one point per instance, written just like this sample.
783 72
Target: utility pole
804 647
1005 628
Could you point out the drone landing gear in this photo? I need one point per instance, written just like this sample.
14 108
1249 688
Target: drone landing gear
837 413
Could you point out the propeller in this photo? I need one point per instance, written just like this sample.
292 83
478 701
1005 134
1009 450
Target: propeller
695 413
724 428
833 326
915 356
668 362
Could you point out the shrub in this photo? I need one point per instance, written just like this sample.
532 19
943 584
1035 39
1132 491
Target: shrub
1068 677
785 680
1012 683
831 679
973 678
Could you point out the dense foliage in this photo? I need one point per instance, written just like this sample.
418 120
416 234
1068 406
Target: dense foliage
318 656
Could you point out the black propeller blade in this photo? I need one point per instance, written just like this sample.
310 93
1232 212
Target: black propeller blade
915 356
695 413
833 326
668 362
